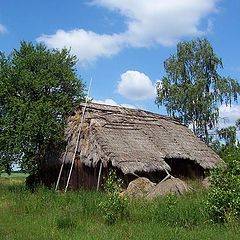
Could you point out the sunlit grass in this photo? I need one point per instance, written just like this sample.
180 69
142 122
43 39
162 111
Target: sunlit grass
46 214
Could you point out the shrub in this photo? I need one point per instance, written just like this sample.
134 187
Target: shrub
224 198
115 206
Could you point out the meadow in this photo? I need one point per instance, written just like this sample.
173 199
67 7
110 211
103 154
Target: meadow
48 215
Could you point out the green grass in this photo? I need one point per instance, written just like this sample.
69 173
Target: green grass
14 175
76 215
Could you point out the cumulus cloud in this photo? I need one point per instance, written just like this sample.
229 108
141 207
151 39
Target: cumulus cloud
162 22
228 115
111 102
87 45
135 85
148 23
2 28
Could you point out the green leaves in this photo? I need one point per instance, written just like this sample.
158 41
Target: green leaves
115 206
38 87
229 135
224 197
192 87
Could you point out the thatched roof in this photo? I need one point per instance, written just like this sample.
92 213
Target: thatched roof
134 140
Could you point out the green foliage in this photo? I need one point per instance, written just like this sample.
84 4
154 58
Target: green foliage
224 198
229 135
192 87
113 184
226 140
115 206
38 88
237 124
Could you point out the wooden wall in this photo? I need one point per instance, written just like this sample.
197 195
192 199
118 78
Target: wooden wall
87 177
82 176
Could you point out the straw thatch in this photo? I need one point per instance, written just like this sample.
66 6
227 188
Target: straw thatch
134 141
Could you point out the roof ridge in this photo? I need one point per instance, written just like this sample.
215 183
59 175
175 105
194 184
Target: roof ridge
128 111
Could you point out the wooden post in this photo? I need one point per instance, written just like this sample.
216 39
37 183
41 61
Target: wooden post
99 176
61 169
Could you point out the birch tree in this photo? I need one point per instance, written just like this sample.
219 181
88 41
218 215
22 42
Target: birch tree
193 88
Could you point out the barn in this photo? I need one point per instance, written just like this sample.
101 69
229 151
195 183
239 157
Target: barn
133 142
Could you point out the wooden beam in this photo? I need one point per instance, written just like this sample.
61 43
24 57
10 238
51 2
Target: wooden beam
61 169
99 176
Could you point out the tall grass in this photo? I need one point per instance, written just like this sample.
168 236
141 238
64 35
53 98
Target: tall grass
45 214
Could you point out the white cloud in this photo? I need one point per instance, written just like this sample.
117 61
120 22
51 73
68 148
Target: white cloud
162 22
148 23
228 115
107 101
111 102
135 85
2 28
87 45
126 105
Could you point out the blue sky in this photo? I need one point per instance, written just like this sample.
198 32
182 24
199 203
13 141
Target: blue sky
122 44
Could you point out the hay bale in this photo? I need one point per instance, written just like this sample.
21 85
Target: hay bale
169 186
139 187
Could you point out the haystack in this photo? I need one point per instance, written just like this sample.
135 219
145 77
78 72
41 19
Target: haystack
170 186
139 187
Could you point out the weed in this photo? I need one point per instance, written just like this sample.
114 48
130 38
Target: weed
115 206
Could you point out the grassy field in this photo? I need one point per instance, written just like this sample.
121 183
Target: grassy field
76 215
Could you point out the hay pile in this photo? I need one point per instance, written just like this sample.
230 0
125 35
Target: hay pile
140 187
143 187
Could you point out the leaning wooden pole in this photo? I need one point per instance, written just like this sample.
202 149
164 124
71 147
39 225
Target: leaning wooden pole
75 151
99 176
61 169
78 138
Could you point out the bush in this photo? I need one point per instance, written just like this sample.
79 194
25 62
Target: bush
115 206
224 198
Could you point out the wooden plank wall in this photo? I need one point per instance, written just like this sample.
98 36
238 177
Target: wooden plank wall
82 176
